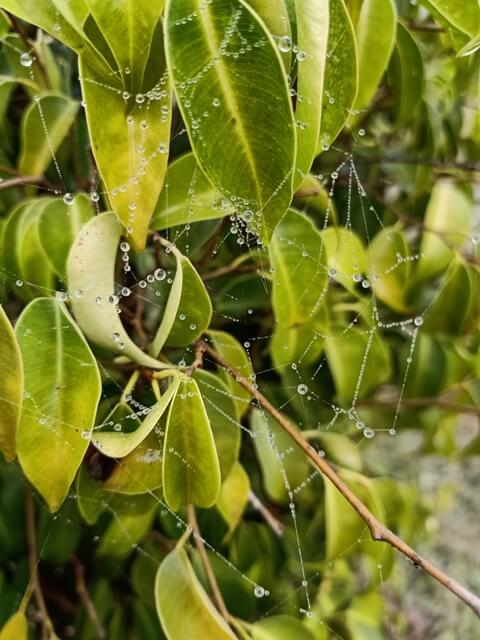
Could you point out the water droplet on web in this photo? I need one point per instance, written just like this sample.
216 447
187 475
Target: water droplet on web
332 273
357 277
259 591
418 321
159 274
285 44
361 132
117 427
113 299
365 284
301 55
26 60
216 102
94 197
368 432
126 292
125 246
142 284
162 148
19 283
150 278
302 389
115 336
68 199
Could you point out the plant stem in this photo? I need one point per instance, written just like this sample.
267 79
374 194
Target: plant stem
378 531
47 625
217 594
275 524
84 596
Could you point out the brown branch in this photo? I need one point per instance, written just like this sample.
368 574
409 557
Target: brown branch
378 531
47 625
198 362
84 595
217 595
30 46
21 180
277 527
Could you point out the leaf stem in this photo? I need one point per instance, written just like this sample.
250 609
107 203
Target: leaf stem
85 597
47 625
378 530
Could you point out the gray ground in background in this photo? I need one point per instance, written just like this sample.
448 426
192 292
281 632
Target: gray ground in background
453 542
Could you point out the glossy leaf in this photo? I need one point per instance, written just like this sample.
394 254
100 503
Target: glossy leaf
126 530
447 221
90 274
359 361
187 196
241 158
233 497
281 461
341 74
281 627
233 352
118 443
389 270
60 398
11 387
44 127
274 14
375 34
131 145
221 412
191 471
464 16
407 75
35 268
16 628
346 256
59 225
199 617
312 36
300 277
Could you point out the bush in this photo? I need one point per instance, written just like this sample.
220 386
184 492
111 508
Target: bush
239 263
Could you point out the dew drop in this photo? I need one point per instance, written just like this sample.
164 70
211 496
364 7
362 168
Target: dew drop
418 321
285 44
159 274
302 389
368 432
259 591
115 336
68 199
26 60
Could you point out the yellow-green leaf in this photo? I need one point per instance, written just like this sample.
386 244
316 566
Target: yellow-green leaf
191 471
11 387
233 497
199 617
16 628
62 390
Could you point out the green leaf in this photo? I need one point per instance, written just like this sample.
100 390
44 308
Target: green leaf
128 27
359 361
233 497
250 165
464 15
341 74
191 471
389 269
312 35
455 307
45 124
59 225
118 444
35 267
131 144
11 387
233 352
187 196
375 33
199 617
281 627
274 14
280 459
300 277
448 221
221 412
126 530
346 256
16 628
470 48
407 75
60 398
10 259
90 274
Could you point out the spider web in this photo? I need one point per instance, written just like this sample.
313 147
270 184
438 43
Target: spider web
344 187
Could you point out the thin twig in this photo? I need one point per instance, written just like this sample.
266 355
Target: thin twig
84 595
217 595
197 362
19 181
378 531
275 524
47 625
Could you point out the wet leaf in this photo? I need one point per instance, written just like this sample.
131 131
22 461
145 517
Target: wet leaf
60 398
11 387
240 157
